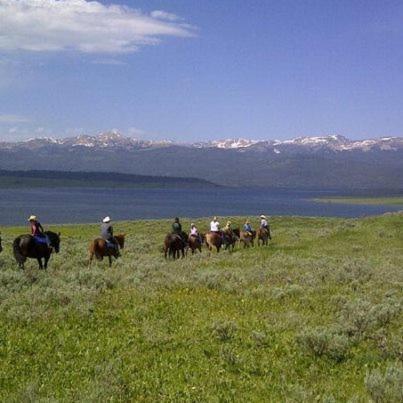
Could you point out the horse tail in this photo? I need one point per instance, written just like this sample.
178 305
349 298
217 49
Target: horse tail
19 257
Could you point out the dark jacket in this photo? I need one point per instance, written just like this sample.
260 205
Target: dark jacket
177 228
107 231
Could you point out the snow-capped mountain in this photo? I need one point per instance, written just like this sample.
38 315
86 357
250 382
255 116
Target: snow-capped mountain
304 162
116 140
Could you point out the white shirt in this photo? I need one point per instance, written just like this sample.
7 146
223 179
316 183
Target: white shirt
263 222
214 226
193 231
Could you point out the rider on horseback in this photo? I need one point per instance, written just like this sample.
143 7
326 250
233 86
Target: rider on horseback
177 227
107 234
248 228
215 225
264 225
37 231
263 222
228 227
194 232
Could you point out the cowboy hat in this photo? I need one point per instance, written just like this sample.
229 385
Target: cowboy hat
32 218
263 216
106 219
215 218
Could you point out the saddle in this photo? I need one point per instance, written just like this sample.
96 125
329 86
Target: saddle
111 245
40 240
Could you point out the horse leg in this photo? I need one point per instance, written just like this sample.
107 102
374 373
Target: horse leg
39 259
47 257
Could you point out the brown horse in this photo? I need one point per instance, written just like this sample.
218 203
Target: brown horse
174 245
195 242
247 238
214 240
25 246
230 237
263 236
99 248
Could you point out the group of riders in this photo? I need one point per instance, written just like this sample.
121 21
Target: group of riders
40 237
215 227
41 243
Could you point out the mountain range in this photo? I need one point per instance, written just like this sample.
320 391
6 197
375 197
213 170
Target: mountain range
324 162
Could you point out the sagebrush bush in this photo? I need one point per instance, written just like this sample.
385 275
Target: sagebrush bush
328 342
385 387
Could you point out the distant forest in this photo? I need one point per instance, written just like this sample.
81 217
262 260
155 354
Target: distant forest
16 179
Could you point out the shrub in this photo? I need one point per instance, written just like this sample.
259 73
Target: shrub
328 342
224 331
387 387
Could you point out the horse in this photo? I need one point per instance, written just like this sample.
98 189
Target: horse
174 244
263 236
195 242
229 238
25 246
100 248
214 240
247 238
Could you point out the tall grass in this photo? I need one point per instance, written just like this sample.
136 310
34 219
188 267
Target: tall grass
316 315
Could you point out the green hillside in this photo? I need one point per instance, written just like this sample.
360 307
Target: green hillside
316 316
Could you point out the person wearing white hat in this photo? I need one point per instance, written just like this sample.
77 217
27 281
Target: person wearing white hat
36 227
265 225
37 231
107 233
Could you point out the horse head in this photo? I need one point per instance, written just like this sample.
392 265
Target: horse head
121 240
54 240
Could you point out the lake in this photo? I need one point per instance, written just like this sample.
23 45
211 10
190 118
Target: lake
78 205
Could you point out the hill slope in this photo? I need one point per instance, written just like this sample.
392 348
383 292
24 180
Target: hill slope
316 316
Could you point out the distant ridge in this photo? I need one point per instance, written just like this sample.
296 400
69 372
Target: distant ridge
318 162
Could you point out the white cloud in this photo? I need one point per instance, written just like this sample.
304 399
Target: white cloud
84 26
163 15
12 119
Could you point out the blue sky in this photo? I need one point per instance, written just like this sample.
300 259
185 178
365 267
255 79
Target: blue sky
191 70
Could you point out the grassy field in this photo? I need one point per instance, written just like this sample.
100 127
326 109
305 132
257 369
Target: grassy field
364 200
316 316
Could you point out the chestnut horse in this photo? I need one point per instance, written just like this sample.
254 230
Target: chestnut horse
99 248
263 236
214 240
25 246
247 238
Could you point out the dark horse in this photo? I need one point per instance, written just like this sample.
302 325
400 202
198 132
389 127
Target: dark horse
1 248
174 245
25 247
230 237
100 248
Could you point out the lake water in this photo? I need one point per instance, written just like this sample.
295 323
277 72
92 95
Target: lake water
78 205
